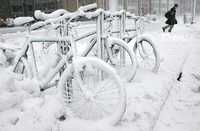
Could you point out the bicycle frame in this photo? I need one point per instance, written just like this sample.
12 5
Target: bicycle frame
29 47
102 37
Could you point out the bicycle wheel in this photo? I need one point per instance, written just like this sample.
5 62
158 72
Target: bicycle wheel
22 67
147 54
90 97
122 58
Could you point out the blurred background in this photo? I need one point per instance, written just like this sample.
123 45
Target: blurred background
15 8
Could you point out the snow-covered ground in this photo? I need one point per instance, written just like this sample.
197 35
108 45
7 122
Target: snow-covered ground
156 102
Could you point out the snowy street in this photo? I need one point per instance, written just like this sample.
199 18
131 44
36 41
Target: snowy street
155 101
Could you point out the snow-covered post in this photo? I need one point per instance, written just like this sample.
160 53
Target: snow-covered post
122 33
113 5
193 10
100 40
124 4
33 60
77 4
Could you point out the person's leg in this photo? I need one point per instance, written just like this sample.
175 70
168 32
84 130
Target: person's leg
165 27
170 28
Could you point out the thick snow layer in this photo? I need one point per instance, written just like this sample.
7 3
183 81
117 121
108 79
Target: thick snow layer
155 101
23 20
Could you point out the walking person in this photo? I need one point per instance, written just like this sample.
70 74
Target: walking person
171 18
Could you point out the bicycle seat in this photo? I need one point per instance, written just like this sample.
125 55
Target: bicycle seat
23 20
37 25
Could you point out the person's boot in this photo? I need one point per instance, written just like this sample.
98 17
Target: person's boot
163 29
170 29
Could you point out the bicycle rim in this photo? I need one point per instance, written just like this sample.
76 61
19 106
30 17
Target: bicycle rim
147 55
108 101
123 60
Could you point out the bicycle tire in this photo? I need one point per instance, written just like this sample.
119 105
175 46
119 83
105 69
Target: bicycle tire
85 111
129 69
141 51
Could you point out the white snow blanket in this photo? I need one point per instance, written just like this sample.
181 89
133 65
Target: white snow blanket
23 107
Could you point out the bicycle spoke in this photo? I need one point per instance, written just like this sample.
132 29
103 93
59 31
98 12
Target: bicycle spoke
102 108
103 86
106 98
108 92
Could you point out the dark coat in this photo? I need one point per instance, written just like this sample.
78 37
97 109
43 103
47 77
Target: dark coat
171 20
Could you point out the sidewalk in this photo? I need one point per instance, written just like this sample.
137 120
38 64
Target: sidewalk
182 111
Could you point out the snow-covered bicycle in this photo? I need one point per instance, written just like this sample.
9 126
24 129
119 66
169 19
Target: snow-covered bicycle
144 47
85 92
21 65
111 48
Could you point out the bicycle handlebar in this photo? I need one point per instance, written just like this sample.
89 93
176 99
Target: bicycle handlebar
37 25
70 16
61 15
81 12
43 16
88 15
88 7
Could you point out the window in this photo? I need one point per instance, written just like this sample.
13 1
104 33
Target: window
16 8
30 7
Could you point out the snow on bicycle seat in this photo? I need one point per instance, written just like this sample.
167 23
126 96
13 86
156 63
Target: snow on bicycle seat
23 20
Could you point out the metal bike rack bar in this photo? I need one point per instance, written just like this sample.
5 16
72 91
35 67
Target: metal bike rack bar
48 39
122 34
100 40
94 32
85 35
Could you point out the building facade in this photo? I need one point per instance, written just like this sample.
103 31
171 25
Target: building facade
14 8
73 5
20 7
4 9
